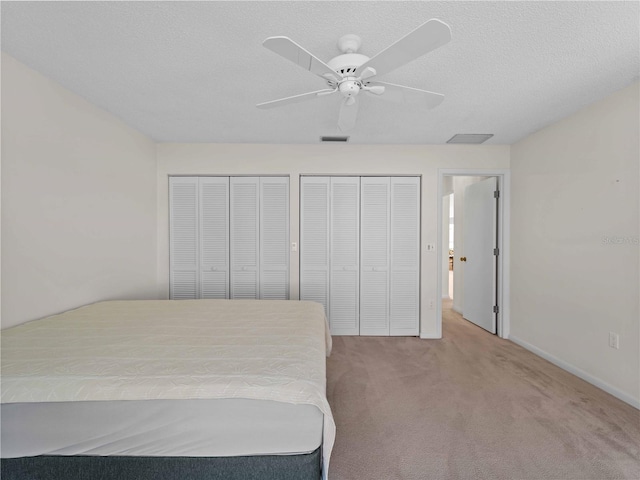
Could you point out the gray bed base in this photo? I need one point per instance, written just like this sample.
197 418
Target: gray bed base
268 467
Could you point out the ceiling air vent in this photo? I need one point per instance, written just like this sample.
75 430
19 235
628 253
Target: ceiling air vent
334 139
470 138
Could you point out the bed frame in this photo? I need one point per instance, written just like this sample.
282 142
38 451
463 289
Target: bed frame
269 467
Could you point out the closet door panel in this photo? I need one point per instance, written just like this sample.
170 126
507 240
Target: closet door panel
405 256
244 238
183 228
360 252
214 237
184 285
374 255
314 240
344 255
274 238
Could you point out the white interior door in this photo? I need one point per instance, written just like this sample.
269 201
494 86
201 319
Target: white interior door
480 222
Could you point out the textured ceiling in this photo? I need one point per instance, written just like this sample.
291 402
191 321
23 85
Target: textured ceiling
193 71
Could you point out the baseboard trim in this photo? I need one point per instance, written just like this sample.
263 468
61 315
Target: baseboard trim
429 337
625 397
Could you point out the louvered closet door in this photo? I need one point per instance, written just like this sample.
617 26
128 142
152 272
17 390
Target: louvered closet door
314 240
183 227
274 238
214 237
344 255
244 241
374 255
405 256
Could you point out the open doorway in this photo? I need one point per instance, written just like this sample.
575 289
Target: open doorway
475 288
448 242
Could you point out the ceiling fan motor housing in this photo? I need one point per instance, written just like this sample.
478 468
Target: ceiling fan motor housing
347 63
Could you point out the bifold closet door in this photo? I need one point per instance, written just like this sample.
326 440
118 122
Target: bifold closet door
214 237
404 294
199 233
244 238
374 255
344 256
314 240
184 257
360 252
274 238
259 224
329 248
390 256
229 237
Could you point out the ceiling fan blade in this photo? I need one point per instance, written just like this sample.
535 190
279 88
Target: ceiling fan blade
348 114
409 95
290 50
425 38
295 99
374 89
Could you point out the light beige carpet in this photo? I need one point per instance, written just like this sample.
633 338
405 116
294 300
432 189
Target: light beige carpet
471 406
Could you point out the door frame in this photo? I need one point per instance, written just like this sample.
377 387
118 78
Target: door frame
503 277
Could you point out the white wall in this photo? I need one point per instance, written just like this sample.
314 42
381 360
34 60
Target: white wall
78 201
574 239
294 160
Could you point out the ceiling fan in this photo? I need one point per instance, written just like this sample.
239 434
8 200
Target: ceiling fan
352 72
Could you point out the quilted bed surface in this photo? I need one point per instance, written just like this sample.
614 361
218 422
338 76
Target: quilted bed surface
173 349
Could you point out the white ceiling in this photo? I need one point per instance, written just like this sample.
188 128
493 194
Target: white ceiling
193 71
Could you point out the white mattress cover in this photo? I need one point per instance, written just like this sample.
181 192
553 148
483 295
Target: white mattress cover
178 428
173 349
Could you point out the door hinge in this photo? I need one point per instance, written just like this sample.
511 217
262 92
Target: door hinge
496 251
496 194
496 309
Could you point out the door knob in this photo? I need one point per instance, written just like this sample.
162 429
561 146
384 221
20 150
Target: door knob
463 259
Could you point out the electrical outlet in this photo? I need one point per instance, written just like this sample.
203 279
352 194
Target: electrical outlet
294 247
431 305
614 340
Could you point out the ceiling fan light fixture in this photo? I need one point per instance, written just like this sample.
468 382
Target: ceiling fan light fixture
470 138
346 72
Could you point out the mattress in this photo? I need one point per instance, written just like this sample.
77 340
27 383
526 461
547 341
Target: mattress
114 355
174 428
